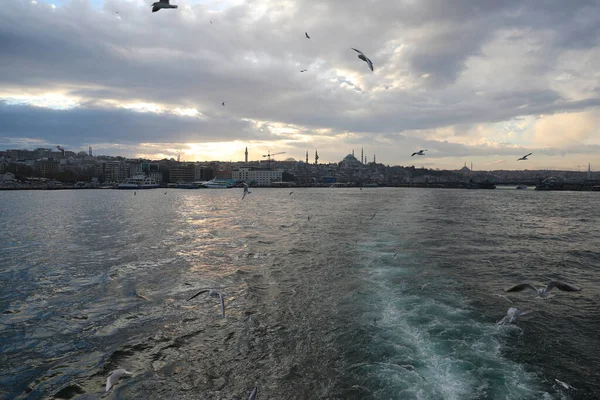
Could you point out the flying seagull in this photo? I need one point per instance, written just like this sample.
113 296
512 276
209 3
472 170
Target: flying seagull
223 103
362 56
418 153
290 193
245 190
544 292
524 158
114 376
303 70
162 4
511 316
564 384
253 394
306 33
212 293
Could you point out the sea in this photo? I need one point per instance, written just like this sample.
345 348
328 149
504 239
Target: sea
330 293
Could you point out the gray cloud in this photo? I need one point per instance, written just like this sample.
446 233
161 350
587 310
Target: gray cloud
252 61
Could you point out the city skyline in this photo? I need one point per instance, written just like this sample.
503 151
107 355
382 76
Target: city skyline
469 82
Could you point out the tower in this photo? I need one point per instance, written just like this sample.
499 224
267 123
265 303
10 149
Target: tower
589 173
316 157
352 152
178 157
246 154
374 159
362 160
90 151
306 157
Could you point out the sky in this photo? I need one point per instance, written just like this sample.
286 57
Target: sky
471 81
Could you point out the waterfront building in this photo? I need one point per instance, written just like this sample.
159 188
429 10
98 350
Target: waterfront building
257 176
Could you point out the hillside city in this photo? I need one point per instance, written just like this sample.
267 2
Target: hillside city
43 167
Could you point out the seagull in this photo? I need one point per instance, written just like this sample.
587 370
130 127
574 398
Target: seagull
395 254
418 153
245 190
253 393
303 70
511 316
306 33
162 4
373 216
364 58
114 376
544 292
564 384
223 103
212 293
524 158
290 193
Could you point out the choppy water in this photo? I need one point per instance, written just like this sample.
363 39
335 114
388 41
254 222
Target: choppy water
320 308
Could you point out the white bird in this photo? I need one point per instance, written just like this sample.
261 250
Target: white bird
253 394
524 158
162 4
362 56
564 384
511 316
114 376
418 153
245 191
545 291
212 293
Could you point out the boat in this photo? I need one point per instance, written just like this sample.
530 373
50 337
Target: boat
487 184
138 182
188 185
521 187
218 184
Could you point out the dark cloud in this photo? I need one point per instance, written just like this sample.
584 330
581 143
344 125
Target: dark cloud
251 55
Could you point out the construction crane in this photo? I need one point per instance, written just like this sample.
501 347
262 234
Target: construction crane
269 155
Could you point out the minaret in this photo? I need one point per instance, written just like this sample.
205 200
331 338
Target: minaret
246 154
316 157
306 157
362 160
374 159
90 151
589 173
352 152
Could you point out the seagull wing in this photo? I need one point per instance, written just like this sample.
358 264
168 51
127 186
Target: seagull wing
155 8
164 1
253 394
370 64
521 287
222 303
199 293
413 154
561 286
114 376
358 51
528 154
306 33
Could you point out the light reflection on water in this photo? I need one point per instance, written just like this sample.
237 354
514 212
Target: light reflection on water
92 280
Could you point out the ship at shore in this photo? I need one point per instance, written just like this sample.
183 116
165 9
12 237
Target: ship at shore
480 185
218 184
139 182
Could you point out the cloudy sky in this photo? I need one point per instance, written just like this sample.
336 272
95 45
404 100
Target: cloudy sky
481 81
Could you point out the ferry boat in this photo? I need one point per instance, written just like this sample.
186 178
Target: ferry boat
218 184
138 182
521 187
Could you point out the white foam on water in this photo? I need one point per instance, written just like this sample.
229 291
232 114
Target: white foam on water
446 351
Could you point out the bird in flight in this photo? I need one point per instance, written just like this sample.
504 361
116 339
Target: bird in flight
306 33
545 291
362 56
303 70
418 153
162 4
223 104
114 376
246 191
511 316
212 293
524 158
